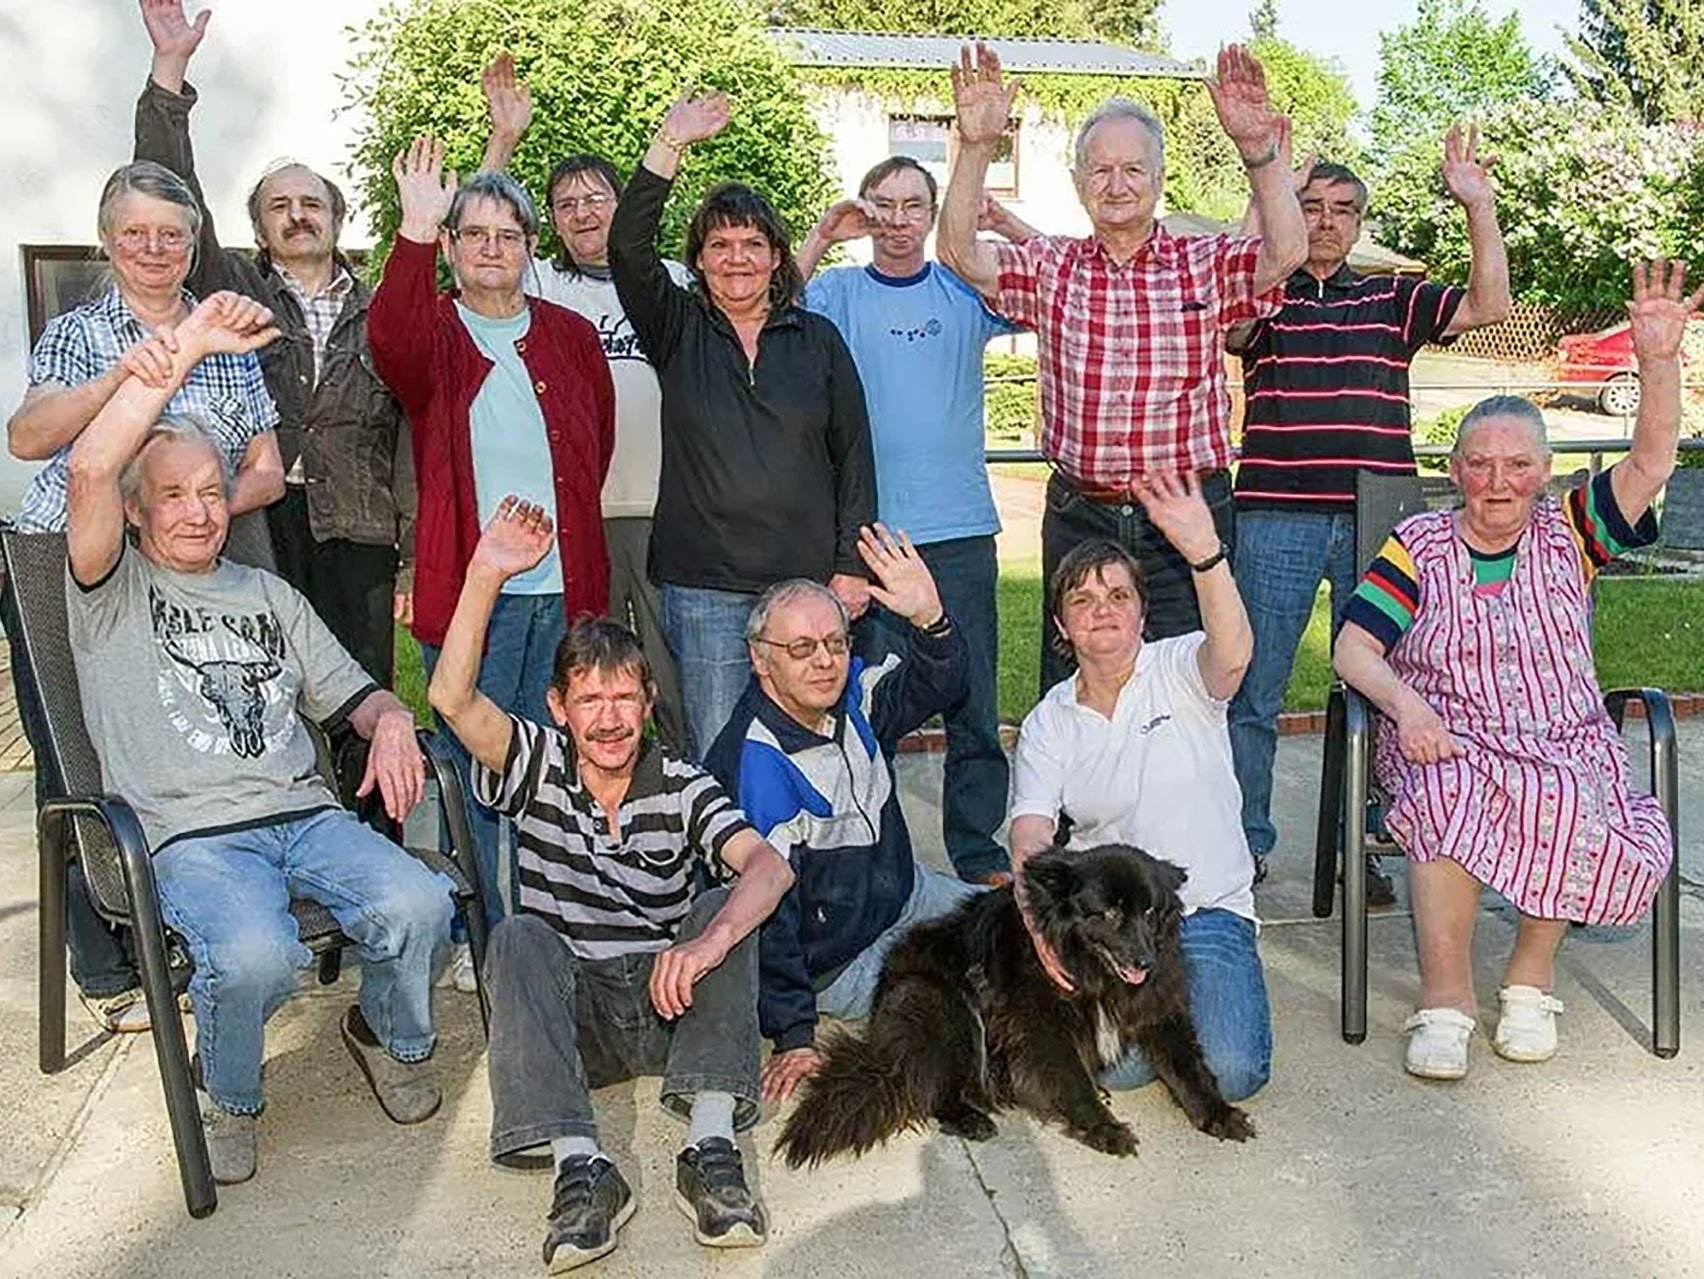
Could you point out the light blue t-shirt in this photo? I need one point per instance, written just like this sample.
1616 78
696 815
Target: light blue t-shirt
918 341
511 453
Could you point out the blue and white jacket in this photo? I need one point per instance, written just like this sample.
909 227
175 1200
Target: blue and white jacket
830 806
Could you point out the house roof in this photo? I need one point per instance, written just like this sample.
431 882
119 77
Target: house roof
817 47
1367 256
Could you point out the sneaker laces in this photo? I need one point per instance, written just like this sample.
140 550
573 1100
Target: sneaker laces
719 1164
575 1183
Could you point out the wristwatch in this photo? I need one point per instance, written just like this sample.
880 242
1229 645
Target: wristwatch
1213 560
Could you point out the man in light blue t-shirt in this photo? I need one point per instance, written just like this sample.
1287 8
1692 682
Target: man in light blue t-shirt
917 334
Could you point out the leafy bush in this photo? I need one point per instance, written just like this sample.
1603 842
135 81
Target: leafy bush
1012 408
603 72
1439 430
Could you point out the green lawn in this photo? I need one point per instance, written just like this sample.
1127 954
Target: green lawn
1650 631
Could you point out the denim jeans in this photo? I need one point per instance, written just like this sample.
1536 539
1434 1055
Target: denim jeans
1227 998
1281 558
228 896
519 662
933 894
1071 518
973 798
705 629
562 1025
101 957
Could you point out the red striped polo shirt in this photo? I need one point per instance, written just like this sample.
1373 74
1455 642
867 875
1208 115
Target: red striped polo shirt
1327 386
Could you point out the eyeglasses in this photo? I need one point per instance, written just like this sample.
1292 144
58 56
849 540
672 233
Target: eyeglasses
910 211
138 239
574 203
804 648
506 238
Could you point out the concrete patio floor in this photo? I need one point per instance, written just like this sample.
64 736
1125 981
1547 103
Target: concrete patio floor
1589 1165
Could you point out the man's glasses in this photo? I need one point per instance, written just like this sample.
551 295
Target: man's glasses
506 238
910 211
571 204
804 648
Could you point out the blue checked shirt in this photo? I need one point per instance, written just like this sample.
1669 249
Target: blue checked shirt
227 392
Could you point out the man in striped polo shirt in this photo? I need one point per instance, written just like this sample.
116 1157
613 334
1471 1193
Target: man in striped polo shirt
618 962
1327 395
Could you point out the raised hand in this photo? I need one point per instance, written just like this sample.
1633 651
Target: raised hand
225 323
171 33
982 97
848 220
518 537
906 585
507 99
423 187
1466 175
1175 506
1238 90
1660 308
693 119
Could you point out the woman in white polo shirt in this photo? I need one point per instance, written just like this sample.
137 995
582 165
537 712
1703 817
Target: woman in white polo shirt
1133 749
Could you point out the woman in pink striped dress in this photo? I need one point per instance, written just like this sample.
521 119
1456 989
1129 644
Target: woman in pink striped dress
1471 632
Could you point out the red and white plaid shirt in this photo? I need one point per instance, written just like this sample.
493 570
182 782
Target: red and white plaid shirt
1131 358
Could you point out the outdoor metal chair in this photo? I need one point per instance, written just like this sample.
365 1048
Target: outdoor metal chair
1683 511
1347 794
103 831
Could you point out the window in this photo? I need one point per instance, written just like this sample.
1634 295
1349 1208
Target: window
929 140
58 277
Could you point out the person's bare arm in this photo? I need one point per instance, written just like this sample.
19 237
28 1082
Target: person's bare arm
982 100
51 415
260 478
1658 312
1175 506
518 537
1245 113
1468 179
845 220
996 219
509 103
764 878
1359 657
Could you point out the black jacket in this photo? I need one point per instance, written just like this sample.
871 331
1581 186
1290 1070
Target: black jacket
767 470
348 429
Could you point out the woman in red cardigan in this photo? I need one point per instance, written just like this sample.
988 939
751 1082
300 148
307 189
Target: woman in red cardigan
504 394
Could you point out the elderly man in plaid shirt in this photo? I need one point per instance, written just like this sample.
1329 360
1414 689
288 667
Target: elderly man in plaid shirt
1130 322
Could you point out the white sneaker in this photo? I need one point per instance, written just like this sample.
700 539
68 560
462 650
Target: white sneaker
125 1013
1527 1029
1437 1043
459 971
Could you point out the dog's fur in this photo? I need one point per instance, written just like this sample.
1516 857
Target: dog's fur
965 1021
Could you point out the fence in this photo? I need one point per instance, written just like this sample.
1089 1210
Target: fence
1531 332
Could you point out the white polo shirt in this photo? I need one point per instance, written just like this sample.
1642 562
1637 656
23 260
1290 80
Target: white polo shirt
1157 775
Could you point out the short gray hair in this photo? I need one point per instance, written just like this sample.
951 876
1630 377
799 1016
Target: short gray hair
1118 109
788 592
175 426
499 187
144 177
1516 406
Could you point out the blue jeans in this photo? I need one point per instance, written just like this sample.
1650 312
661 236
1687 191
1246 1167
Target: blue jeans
705 630
973 799
519 663
1227 999
1281 558
228 896
933 894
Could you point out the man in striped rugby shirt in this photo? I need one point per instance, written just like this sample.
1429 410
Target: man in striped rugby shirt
618 961
1327 396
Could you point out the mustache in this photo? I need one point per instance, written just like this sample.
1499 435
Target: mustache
609 734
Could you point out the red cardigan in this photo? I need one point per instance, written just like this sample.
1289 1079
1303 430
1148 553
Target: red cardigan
425 354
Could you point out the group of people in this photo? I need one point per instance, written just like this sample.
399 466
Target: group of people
689 545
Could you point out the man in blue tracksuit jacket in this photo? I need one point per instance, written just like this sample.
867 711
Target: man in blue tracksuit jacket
808 753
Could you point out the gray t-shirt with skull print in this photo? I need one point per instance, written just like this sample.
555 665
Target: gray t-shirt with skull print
194 686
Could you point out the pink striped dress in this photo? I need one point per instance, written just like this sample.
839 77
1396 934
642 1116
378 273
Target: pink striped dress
1539 808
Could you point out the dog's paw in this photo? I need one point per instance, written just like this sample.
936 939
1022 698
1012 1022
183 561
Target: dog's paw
1229 1124
970 1124
1110 1137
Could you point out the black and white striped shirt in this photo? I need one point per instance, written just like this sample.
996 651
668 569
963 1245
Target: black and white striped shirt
608 898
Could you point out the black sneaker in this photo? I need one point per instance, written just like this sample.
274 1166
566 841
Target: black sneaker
592 1201
710 1189
1380 891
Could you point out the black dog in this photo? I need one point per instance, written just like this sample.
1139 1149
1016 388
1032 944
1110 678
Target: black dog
965 1021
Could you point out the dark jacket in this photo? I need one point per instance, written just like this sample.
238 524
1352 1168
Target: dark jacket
426 355
767 470
830 806
348 430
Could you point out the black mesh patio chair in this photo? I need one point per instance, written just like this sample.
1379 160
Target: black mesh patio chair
1347 796
103 832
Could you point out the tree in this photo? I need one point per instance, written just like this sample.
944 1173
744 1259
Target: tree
1644 54
1451 61
1315 93
1125 21
602 74
1263 19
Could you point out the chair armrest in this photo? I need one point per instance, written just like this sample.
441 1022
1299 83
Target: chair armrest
1659 714
136 865
452 805
1357 714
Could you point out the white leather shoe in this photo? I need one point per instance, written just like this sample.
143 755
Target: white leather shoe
1437 1043
1527 1029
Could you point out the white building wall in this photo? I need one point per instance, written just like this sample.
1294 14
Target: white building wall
267 73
